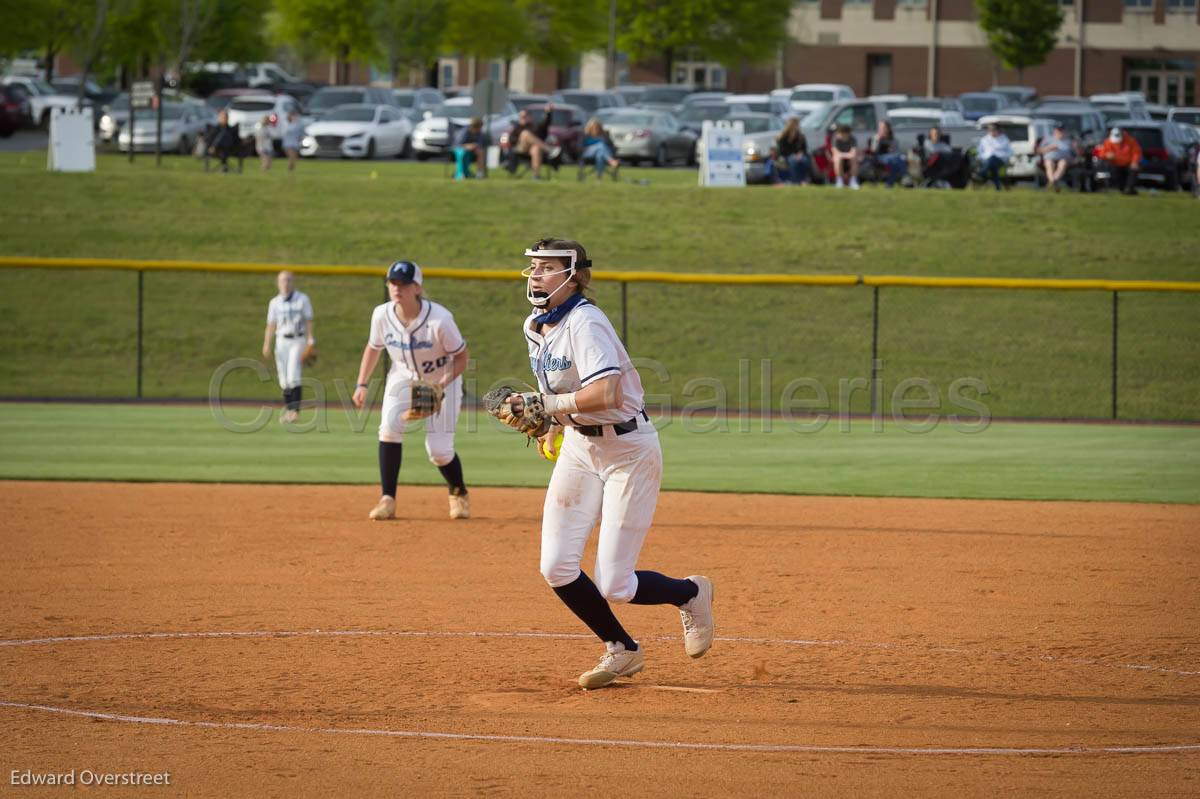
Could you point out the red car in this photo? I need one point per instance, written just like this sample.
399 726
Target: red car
566 127
11 112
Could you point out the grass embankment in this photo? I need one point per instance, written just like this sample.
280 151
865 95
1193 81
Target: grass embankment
1041 354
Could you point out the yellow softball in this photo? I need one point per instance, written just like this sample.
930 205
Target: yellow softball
558 441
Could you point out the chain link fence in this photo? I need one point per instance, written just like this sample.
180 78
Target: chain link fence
1026 350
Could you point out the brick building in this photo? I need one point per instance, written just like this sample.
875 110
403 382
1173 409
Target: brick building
911 46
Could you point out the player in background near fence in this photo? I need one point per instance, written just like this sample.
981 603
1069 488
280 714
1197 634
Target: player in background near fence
424 344
609 468
290 323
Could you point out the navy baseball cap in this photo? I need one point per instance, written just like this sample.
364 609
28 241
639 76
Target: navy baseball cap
404 272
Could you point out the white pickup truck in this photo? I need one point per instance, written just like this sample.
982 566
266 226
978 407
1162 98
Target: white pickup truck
42 97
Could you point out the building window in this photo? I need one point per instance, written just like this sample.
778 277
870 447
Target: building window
707 75
1188 6
856 2
1139 5
447 73
911 3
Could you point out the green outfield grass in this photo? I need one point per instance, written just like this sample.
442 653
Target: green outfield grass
1005 460
1040 354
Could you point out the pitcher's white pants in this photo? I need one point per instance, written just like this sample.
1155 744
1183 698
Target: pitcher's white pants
616 479
288 352
439 428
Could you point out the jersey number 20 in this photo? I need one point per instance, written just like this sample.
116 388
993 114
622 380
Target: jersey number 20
429 366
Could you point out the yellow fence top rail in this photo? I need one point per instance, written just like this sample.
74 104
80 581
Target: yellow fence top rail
716 278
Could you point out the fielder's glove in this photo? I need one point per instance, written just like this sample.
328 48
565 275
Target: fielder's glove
532 420
426 401
310 355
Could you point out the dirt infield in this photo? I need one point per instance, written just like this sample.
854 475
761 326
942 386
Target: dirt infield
867 646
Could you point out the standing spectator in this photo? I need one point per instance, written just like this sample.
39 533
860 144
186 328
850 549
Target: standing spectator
292 134
224 140
845 151
1123 157
994 152
529 140
263 143
598 148
470 148
1057 154
887 155
793 147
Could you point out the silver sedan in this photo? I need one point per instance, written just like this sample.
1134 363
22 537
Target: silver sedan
182 124
650 136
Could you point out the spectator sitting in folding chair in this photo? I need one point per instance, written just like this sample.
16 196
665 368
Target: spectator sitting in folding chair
598 150
224 141
470 148
994 151
887 156
528 141
1057 154
845 152
792 146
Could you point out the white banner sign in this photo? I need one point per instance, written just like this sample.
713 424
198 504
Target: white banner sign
722 164
72 146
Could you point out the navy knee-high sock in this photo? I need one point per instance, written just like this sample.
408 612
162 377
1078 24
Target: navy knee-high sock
389 466
585 601
658 589
452 473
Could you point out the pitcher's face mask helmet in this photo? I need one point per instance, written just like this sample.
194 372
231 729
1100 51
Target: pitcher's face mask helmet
538 297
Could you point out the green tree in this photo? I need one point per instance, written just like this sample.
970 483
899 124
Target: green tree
558 32
51 27
338 28
485 29
1020 33
729 31
237 32
409 33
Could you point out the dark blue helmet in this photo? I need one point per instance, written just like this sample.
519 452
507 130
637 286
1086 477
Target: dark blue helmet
404 272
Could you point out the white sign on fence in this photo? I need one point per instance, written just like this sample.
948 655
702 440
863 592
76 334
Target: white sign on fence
72 146
722 164
142 93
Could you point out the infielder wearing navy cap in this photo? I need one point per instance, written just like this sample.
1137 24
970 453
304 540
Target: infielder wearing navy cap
404 272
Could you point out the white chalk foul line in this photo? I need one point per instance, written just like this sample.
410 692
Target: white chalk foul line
617 742
576 636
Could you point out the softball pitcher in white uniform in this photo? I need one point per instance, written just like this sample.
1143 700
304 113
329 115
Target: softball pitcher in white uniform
424 344
290 324
609 467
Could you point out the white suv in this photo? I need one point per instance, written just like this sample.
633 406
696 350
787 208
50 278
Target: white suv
1024 132
247 112
42 97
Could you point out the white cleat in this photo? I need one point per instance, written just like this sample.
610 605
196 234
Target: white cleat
617 662
460 506
384 509
698 618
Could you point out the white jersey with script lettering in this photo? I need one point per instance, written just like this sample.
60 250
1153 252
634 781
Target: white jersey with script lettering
578 351
422 350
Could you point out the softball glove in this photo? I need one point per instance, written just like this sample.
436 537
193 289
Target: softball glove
531 419
426 401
